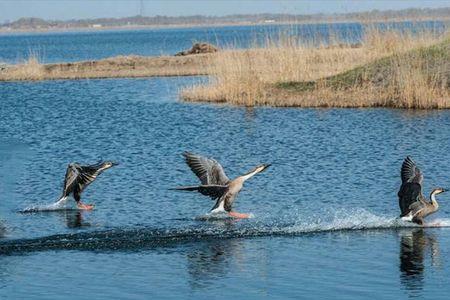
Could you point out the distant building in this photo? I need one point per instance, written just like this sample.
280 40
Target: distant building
269 21
96 25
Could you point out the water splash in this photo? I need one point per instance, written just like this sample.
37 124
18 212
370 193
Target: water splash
143 237
357 219
438 223
61 204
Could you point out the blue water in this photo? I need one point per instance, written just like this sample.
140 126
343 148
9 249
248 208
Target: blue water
76 46
324 213
324 224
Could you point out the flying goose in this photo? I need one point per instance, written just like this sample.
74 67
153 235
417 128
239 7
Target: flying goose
215 184
79 177
413 205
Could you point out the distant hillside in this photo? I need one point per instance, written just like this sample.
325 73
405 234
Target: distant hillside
374 15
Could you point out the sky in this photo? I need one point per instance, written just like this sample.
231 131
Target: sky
79 9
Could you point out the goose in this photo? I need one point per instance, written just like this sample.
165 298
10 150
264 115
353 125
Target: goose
216 184
413 205
78 177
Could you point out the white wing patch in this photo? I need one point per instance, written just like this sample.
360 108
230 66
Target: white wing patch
219 209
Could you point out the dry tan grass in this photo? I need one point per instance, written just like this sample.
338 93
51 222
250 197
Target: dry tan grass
248 77
31 69
411 86
242 76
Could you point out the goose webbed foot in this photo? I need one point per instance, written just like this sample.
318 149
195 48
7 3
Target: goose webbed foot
83 206
237 215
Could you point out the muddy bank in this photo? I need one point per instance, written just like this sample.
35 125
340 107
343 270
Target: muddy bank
120 66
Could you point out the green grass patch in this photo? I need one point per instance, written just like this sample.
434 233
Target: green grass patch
431 61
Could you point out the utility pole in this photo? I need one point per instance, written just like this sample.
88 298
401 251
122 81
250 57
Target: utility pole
141 8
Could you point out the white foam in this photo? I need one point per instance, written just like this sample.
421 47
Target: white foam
345 220
61 204
438 223
214 215
338 220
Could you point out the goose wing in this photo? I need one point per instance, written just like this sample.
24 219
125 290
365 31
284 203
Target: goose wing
410 194
87 175
410 172
79 177
70 180
410 198
208 170
213 191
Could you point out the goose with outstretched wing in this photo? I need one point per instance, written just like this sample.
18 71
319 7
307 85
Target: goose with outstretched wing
413 205
78 177
216 184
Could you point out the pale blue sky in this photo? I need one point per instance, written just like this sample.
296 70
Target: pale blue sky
75 9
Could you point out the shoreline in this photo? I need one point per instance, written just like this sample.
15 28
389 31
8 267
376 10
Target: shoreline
6 32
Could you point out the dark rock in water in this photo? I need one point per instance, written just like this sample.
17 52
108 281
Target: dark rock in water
198 48
3 66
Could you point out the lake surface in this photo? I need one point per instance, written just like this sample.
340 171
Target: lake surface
324 212
90 45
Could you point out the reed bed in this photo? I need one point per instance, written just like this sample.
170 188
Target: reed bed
31 69
389 68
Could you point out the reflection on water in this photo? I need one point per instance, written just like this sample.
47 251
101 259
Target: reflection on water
74 219
413 250
250 113
2 229
71 218
212 259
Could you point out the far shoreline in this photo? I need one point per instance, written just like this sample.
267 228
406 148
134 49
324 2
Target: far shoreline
12 32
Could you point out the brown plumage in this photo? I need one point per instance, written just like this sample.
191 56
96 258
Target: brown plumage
215 183
78 177
413 204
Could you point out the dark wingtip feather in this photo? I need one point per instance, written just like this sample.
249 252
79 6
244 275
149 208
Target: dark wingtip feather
184 188
187 156
410 171
406 160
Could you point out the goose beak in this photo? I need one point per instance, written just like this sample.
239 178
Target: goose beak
113 163
266 166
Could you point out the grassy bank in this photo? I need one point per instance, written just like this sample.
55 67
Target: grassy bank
418 78
389 69
121 66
